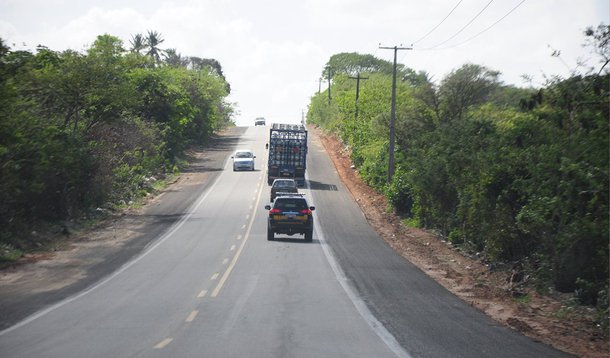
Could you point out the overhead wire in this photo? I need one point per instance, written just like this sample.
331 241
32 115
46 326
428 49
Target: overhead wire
487 28
463 28
440 23
457 33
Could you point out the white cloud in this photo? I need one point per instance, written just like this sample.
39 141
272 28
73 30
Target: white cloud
83 31
273 51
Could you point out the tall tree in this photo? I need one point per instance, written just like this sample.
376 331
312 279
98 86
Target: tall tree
138 43
153 40
353 63
465 87
174 59
599 39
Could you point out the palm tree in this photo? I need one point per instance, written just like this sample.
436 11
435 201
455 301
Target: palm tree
138 43
153 40
174 59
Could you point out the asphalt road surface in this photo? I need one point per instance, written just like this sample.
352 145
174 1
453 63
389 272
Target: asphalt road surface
213 286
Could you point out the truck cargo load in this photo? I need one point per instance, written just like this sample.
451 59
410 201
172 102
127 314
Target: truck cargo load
287 152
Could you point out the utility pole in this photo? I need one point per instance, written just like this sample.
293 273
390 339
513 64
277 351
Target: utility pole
358 78
320 85
391 162
329 76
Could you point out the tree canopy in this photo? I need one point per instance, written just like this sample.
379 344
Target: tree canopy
82 131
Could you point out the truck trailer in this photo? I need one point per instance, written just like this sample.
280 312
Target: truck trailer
287 152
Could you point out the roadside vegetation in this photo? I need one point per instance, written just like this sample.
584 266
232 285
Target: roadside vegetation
87 133
515 176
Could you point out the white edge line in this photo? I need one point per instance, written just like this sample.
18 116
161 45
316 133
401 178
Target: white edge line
361 307
122 269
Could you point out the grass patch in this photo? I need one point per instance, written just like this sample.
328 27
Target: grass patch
9 255
523 300
564 312
411 222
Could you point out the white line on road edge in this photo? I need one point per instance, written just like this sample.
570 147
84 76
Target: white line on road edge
123 268
361 307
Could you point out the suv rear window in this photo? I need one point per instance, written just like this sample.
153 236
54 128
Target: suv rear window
284 184
290 204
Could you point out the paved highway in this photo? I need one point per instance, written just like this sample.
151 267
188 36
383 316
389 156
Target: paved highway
213 286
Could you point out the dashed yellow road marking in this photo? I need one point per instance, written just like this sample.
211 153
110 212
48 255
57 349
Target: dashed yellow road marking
192 316
226 274
164 343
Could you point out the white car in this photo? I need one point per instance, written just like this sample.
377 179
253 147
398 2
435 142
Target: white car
243 159
259 121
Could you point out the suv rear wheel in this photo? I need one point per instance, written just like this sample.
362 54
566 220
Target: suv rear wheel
270 235
309 236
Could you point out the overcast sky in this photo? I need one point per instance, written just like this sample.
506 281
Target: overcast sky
273 51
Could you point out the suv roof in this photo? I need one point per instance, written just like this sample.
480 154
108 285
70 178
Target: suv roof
283 182
290 195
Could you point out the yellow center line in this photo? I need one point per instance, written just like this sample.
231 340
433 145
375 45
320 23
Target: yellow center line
164 343
192 316
226 274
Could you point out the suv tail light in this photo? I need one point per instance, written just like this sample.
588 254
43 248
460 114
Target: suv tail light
274 211
306 211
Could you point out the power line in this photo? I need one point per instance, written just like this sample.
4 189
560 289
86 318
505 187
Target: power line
440 23
462 29
490 26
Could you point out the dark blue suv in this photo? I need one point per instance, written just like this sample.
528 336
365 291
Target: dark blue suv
290 214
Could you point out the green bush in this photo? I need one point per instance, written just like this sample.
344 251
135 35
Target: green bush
518 174
80 131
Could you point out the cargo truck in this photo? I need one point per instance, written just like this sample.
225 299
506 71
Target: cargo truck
287 152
